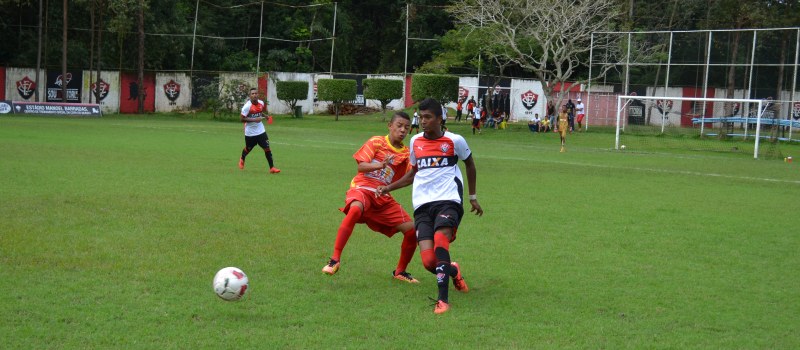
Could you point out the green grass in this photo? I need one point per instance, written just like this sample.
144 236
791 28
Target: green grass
113 228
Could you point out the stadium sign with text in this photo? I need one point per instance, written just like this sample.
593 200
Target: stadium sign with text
5 107
65 109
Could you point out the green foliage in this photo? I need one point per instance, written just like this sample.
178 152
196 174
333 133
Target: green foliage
228 97
291 92
383 90
656 251
336 91
441 87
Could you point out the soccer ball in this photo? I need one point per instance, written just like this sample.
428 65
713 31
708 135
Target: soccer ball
622 147
230 283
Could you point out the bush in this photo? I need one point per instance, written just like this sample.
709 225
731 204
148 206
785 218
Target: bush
383 90
336 91
291 92
441 87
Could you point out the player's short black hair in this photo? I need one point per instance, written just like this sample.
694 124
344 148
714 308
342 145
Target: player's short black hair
400 114
431 105
253 88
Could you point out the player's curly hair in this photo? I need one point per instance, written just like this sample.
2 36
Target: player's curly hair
431 105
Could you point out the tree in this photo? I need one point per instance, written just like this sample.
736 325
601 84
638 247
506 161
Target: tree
441 87
550 38
383 90
292 91
336 91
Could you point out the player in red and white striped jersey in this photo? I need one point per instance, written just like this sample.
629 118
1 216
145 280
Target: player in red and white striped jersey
253 112
437 196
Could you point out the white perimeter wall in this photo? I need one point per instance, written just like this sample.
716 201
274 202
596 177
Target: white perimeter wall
15 74
109 104
184 100
519 112
279 107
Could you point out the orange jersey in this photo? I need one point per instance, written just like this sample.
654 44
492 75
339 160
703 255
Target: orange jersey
375 150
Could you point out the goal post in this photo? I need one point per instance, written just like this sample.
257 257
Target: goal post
650 123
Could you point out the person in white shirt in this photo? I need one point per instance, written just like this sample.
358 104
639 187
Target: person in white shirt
253 112
579 113
476 119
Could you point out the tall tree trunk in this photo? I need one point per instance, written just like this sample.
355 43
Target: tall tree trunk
38 55
732 72
46 36
64 57
779 87
141 56
91 50
100 6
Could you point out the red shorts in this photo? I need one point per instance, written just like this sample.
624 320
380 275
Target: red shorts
580 117
381 214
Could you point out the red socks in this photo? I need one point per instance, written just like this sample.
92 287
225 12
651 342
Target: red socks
345 230
407 248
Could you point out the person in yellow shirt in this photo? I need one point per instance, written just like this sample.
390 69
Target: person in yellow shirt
544 125
563 126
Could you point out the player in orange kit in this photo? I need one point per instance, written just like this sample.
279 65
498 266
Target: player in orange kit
381 160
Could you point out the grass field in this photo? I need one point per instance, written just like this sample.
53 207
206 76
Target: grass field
113 228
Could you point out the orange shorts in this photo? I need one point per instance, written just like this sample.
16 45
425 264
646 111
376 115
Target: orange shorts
381 213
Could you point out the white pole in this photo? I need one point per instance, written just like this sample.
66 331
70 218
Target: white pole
626 87
333 41
705 84
194 36
260 31
589 89
794 83
405 65
758 130
616 139
664 116
750 84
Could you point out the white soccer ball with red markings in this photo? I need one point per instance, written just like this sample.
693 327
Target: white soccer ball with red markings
231 283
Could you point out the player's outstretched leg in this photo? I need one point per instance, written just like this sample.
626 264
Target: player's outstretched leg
458 280
342 236
407 248
442 245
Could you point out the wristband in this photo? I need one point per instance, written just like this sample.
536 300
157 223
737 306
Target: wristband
473 197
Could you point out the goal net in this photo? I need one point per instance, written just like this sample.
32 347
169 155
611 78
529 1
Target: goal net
691 124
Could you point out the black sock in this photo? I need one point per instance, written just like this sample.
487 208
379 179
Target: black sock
245 151
442 272
269 159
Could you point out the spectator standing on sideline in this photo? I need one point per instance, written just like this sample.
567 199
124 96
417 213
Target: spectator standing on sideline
579 114
476 120
459 105
415 122
571 114
471 107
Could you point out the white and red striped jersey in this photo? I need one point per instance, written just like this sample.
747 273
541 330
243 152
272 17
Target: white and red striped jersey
250 110
438 176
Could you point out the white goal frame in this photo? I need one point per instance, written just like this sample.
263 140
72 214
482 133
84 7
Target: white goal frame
760 112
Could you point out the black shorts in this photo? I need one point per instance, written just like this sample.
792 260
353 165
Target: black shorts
260 139
431 216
